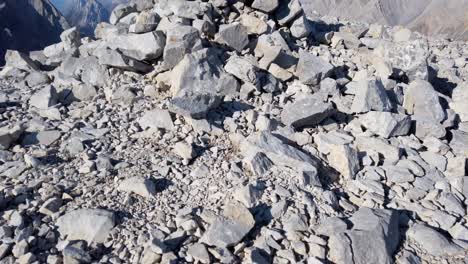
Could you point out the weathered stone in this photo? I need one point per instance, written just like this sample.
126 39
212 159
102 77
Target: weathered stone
147 46
301 27
185 9
312 69
138 185
282 154
370 95
121 11
422 101
373 238
199 252
195 106
201 72
253 24
308 111
146 21
460 97
409 57
247 195
71 38
229 229
20 60
115 59
45 138
184 150
180 40
234 36
8 135
156 118
266 6
344 159
287 11
386 124
36 78
51 206
432 241
243 69
91 225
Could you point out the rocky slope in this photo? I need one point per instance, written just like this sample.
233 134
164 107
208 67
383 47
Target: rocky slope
220 132
28 25
431 17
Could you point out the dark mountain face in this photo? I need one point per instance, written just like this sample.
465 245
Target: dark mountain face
27 25
85 14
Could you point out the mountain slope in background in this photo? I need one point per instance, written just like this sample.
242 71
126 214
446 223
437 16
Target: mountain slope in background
29 25
85 14
430 17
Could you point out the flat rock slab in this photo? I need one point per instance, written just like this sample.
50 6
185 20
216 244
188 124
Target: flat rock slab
312 69
432 241
386 124
228 230
195 106
138 185
304 112
91 225
156 118
45 138
373 238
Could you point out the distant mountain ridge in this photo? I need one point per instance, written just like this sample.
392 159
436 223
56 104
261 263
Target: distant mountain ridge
430 17
86 14
27 25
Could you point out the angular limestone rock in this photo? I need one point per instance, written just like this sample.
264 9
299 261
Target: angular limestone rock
91 225
230 228
386 124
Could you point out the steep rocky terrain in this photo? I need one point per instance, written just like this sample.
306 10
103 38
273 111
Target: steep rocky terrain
225 132
28 25
431 17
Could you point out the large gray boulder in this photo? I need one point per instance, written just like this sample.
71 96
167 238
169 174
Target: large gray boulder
407 57
9 134
370 95
138 185
115 59
180 40
266 6
230 228
234 36
121 11
147 46
44 98
386 124
422 101
307 111
432 241
156 118
195 105
373 238
312 69
20 60
91 225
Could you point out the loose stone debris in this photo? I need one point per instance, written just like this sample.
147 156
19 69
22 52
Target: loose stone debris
235 132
